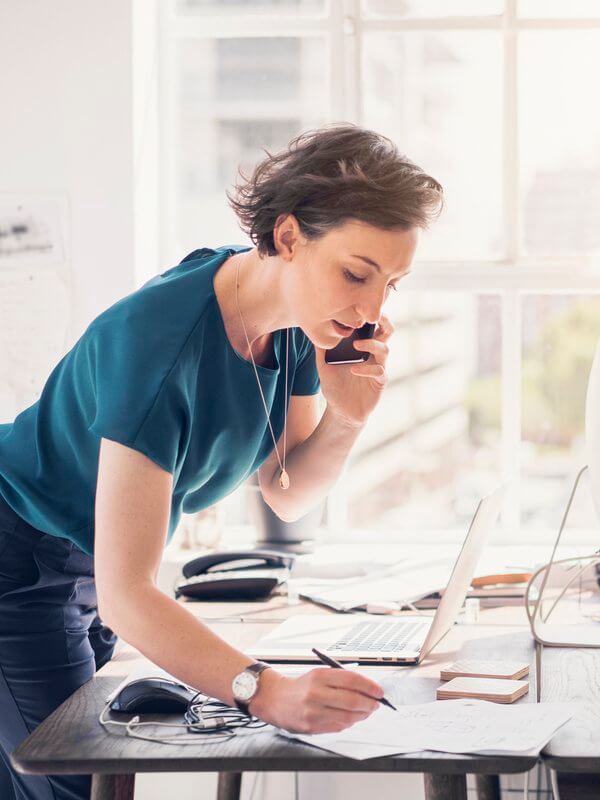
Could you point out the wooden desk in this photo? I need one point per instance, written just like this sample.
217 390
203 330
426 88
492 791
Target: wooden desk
573 675
72 741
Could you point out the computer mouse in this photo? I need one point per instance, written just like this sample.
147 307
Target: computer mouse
153 696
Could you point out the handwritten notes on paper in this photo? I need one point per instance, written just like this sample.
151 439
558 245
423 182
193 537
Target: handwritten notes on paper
450 726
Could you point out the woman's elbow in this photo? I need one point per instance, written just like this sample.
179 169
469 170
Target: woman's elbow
285 514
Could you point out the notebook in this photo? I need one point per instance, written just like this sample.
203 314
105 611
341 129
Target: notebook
494 690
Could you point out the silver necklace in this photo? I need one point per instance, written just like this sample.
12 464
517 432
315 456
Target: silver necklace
284 478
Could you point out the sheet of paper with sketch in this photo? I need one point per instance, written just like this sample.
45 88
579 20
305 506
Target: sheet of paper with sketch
451 726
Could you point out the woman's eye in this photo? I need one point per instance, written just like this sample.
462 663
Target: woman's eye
352 277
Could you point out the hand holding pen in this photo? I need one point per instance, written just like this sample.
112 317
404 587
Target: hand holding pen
331 662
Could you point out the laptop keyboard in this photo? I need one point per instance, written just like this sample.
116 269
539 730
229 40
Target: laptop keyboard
381 637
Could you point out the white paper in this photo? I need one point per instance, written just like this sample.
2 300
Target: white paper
451 726
402 582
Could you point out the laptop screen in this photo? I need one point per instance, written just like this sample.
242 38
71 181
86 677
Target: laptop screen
483 521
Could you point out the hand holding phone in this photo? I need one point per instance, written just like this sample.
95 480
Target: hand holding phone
345 353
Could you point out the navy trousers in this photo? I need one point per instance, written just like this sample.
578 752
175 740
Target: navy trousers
51 642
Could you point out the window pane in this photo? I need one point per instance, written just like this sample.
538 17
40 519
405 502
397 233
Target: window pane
238 97
433 8
247 6
430 449
558 8
559 141
438 96
560 334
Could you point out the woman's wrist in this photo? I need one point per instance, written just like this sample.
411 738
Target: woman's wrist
340 419
270 687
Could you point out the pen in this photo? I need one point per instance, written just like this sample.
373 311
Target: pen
331 662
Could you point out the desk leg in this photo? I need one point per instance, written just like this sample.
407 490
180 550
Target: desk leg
112 787
445 787
488 787
229 786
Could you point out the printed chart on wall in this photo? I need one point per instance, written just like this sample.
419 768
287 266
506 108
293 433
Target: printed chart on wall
34 296
31 231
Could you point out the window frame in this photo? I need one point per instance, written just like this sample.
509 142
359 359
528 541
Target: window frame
344 24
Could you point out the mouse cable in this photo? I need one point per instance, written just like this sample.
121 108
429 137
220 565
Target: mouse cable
205 712
132 726
210 719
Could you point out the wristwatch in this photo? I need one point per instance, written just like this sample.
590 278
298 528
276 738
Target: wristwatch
245 685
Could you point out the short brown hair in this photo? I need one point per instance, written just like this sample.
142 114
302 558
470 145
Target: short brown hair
332 174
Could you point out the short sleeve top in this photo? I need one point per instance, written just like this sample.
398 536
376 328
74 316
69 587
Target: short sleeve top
157 373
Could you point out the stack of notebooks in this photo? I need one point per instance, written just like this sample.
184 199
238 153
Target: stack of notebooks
495 681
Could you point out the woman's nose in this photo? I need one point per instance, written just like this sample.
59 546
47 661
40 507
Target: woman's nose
369 309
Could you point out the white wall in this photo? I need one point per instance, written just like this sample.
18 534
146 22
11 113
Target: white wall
66 129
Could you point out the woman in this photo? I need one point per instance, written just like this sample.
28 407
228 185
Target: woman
171 399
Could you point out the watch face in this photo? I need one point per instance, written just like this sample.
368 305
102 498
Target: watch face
244 685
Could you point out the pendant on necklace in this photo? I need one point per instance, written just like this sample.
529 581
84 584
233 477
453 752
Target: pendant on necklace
284 479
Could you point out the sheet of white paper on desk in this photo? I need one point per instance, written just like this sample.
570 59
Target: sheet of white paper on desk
361 741
451 726
403 583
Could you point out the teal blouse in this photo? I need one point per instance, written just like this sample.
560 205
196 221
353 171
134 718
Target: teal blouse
157 373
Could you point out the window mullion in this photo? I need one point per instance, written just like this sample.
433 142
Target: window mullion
511 312
510 138
345 50
337 63
168 99
353 25
511 408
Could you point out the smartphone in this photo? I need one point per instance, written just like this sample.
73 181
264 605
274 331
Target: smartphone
344 352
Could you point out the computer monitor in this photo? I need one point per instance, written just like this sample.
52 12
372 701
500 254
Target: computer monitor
587 634
592 447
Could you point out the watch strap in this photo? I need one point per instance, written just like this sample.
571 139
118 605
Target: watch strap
256 668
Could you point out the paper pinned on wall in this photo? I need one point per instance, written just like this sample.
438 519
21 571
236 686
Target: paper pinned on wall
450 726
32 231
35 309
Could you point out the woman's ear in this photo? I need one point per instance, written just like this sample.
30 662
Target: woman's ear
287 236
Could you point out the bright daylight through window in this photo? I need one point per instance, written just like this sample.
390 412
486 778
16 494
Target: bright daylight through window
496 328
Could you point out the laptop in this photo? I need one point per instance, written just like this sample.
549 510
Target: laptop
391 640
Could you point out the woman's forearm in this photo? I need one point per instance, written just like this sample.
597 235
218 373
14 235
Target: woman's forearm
313 467
171 637
319 701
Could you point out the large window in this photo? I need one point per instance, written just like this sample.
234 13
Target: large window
496 328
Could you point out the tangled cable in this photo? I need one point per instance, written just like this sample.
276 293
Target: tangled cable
213 715
206 717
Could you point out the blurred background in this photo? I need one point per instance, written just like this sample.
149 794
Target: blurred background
127 121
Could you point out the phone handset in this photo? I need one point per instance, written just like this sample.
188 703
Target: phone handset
237 560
